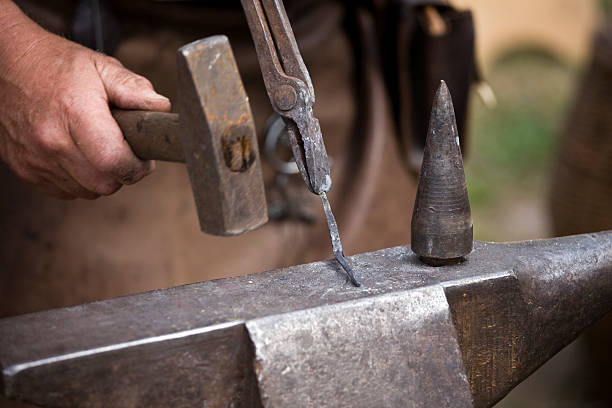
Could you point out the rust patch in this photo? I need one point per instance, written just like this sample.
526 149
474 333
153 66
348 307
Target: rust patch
238 152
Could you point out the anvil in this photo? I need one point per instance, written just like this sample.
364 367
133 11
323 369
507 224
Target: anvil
413 335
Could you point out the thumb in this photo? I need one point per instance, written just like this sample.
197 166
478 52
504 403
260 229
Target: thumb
127 90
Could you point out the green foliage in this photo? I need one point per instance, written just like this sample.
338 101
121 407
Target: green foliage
513 146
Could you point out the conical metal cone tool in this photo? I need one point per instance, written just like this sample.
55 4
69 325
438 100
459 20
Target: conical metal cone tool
442 228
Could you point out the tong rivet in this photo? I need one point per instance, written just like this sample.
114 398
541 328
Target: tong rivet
285 97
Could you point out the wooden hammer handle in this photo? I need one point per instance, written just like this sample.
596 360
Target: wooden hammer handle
151 135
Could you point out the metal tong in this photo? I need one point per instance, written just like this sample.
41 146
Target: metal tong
292 95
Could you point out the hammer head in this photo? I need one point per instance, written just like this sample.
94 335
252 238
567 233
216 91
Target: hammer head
219 139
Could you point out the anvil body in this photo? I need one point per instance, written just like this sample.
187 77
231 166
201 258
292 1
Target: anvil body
413 335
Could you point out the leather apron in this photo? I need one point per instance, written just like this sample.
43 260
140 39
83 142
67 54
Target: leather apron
57 253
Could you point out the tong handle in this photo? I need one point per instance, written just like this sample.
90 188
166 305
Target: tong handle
289 88
289 52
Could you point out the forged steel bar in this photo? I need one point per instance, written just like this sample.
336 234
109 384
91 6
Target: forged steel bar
453 336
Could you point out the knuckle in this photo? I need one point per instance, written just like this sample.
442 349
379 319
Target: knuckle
130 80
106 187
105 64
133 175
124 169
85 193
52 140
113 61
22 168
26 174
142 82
108 161
71 105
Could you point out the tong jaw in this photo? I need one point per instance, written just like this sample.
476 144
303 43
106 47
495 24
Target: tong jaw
290 88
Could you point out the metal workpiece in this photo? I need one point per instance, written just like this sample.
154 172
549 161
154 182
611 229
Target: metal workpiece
218 136
335 240
442 228
455 336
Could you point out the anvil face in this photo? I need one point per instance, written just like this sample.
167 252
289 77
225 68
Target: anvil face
413 335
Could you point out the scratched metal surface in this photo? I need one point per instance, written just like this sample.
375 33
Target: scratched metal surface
234 299
512 307
411 359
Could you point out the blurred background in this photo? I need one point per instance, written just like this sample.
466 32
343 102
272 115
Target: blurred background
534 55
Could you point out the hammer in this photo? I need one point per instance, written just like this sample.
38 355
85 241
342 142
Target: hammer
213 134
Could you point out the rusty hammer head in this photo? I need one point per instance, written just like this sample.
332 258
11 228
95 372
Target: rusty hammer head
214 134
219 140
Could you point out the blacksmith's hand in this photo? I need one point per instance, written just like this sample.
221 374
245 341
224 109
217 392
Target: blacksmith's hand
56 129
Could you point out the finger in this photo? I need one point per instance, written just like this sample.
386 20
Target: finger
71 185
60 179
49 188
82 172
56 157
127 90
98 137
55 192
38 178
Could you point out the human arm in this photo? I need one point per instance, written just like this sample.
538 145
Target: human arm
56 129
